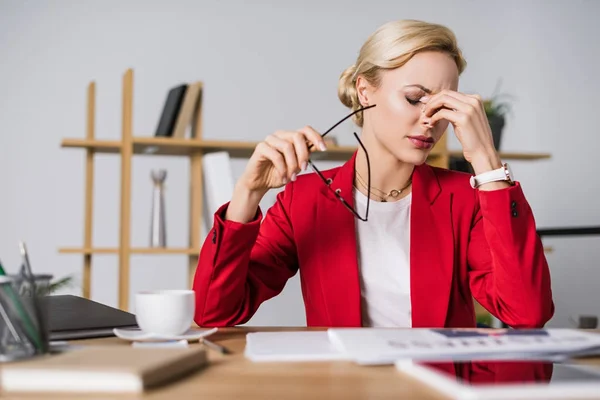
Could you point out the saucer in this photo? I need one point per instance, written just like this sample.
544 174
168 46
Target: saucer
137 335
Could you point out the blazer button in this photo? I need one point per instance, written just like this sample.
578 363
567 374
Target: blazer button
515 213
513 204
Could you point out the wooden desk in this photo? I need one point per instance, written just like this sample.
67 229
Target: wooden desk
235 377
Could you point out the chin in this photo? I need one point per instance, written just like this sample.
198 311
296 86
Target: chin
414 157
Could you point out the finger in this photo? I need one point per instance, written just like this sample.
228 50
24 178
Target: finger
476 109
473 99
301 149
275 157
285 147
301 143
478 99
314 138
454 117
445 101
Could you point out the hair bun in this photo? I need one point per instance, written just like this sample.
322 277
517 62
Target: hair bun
347 87
347 92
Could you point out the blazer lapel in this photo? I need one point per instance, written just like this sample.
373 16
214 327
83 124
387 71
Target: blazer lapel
337 247
432 249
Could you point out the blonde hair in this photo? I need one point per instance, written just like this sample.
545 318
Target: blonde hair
391 46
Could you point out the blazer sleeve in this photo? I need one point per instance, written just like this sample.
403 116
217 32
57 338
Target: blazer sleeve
508 271
242 265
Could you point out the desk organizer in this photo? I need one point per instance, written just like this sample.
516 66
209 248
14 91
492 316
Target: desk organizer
23 319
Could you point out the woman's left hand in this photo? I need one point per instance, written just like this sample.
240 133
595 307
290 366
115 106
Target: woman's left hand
467 115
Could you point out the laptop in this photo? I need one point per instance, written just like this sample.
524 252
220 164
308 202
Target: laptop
72 317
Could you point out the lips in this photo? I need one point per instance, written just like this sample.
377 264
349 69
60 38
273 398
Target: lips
421 142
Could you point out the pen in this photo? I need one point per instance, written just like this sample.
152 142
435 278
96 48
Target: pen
9 323
214 346
36 301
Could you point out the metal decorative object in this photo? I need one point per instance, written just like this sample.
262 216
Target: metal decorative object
158 229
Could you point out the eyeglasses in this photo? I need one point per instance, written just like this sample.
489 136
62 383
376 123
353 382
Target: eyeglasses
328 181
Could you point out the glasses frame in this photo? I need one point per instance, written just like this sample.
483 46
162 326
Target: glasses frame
328 181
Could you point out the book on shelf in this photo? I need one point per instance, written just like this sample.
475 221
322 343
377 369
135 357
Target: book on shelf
170 112
188 108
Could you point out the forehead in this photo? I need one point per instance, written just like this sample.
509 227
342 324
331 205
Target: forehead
434 70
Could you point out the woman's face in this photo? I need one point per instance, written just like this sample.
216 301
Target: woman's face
397 122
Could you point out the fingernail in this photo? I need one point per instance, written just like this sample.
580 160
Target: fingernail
294 177
284 179
322 146
304 165
424 99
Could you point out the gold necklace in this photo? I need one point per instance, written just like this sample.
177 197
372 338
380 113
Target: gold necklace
383 196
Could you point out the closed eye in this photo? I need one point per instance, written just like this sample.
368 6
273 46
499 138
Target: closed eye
414 102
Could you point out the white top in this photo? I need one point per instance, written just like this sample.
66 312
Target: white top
384 261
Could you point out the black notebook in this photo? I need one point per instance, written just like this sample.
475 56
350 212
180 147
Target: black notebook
72 317
170 111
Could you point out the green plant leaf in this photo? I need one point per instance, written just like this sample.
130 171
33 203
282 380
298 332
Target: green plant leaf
56 286
498 104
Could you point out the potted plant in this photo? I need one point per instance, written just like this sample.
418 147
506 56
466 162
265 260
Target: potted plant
496 110
59 284
43 283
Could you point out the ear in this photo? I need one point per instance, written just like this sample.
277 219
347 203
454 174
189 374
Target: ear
362 88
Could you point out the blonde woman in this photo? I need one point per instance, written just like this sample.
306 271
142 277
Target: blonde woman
385 240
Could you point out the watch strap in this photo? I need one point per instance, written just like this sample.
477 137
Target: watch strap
500 174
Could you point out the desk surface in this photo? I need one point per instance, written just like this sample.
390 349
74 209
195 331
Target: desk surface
234 377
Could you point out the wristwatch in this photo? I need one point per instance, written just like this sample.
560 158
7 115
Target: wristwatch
503 173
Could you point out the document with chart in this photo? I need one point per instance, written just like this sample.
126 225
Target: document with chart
386 345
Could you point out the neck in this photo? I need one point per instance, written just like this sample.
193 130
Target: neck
387 172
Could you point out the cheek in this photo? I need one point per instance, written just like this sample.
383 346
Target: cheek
400 112
394 107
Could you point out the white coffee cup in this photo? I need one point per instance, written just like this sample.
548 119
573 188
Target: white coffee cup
165 312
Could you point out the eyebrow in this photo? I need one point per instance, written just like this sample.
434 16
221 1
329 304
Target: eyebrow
423 88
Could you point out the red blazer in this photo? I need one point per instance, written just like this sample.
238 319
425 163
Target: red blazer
465 243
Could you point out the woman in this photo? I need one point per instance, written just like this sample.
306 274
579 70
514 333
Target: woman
420 247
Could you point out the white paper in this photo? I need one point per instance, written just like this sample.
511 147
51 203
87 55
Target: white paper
386 345
218 180
218 185
291 346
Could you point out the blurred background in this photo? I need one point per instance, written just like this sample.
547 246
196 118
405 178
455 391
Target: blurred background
270 65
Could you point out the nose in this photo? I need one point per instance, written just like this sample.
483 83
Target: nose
425 122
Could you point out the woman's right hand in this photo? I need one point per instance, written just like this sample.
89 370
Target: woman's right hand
278 159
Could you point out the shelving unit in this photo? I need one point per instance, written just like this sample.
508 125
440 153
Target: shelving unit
194 149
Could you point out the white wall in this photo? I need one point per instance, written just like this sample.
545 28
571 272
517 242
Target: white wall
266 66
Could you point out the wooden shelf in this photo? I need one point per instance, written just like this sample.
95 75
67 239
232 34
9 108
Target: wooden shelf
134 250
99 146
187 147
508 155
